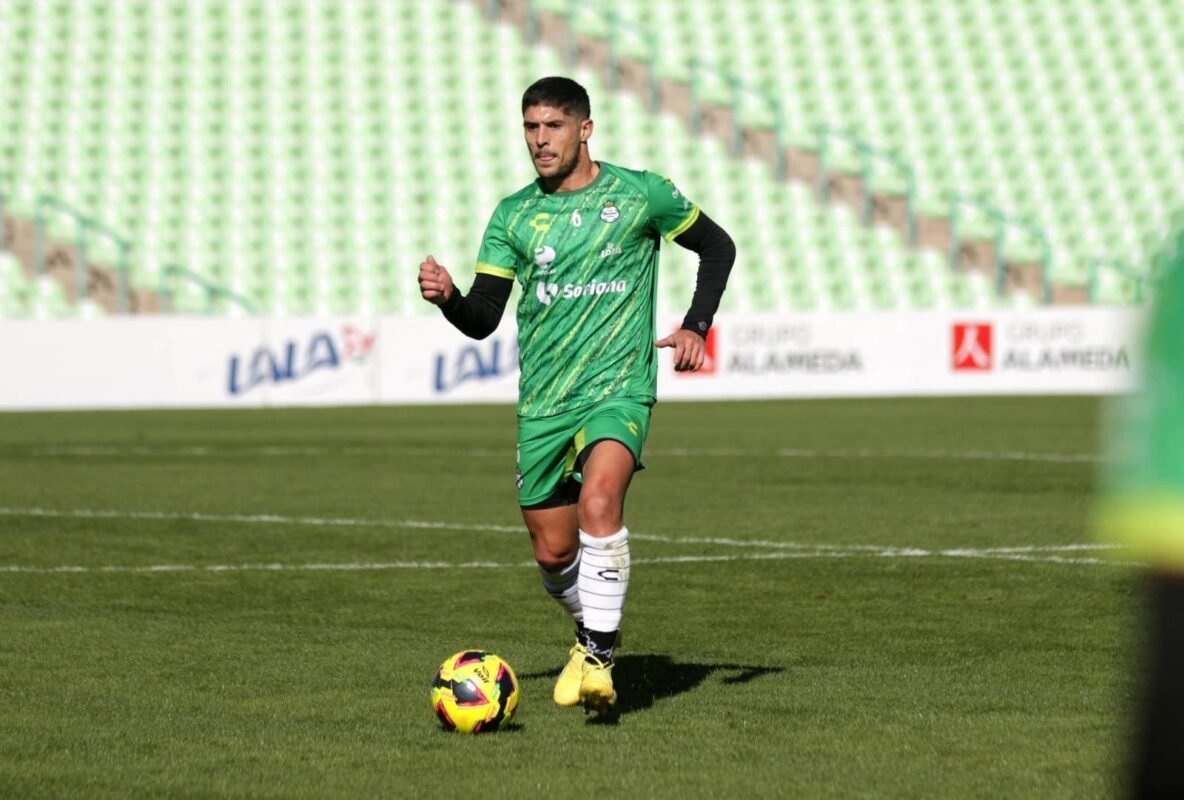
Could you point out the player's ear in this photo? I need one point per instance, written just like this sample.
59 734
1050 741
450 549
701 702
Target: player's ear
585 130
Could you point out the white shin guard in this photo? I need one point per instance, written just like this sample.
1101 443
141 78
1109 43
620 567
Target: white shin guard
604 579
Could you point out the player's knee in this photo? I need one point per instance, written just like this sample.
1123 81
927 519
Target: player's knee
600 510
555 557
554 548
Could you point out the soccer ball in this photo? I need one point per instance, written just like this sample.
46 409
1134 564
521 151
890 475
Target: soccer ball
474 692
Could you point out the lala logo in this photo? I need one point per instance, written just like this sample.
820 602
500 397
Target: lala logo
474 363
298 358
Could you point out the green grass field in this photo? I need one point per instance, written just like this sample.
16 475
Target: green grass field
883 598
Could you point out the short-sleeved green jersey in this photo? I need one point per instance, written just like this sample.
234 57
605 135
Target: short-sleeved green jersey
1143 504
587 262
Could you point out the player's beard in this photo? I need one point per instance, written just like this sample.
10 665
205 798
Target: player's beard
566 168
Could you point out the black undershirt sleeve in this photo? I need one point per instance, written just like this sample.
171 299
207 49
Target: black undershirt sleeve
1156 766
478 313
717 254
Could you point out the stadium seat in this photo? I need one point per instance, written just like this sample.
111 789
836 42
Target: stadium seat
1058 113
13 289
301 155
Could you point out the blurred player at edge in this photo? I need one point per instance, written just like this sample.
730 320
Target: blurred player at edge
1142 508
583 242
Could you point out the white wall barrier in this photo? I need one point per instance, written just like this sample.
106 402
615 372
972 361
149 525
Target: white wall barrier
163 362
1045 351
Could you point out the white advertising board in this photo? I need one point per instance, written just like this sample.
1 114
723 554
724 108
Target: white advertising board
429 361
289 362
193 362
1042 351
76 364
162 362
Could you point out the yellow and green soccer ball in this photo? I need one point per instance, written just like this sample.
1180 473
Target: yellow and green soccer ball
474 692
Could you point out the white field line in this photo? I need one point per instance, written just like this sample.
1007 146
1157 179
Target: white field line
394 565
948 455
779 549
67 451
444 565
963 553
1049 548
266 519
397 565
415 524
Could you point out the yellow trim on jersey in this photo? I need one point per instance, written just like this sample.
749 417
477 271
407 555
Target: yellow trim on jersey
686 223
495 270
1149 528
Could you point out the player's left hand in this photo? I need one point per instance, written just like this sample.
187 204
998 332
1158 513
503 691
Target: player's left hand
689 349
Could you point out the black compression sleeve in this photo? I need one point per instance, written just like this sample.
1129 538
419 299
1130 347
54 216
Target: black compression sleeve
717 254
477 314
1157 769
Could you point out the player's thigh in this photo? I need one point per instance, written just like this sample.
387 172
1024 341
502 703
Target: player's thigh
546 491
614 434
607 474
608 467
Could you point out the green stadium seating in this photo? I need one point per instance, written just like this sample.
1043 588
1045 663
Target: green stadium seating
1059 112
307 155
13 288
46 299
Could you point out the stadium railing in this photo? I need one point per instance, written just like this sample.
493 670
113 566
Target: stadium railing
1003 223
737 91
618 31
170 274
85 227
868 154
1100 270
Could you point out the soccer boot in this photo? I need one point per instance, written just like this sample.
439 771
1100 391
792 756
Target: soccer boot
567 688
596 686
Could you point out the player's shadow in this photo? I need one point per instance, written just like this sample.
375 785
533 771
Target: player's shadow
641 680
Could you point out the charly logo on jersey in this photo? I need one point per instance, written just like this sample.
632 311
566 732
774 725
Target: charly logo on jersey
610 250
610 212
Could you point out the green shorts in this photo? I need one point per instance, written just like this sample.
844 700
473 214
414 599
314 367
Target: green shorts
551 449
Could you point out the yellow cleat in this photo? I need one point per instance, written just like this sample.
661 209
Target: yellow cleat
567 688
596 686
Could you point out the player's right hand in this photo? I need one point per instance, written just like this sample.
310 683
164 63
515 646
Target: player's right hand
435 284
690 349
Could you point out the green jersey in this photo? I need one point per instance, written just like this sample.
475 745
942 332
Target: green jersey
587 262
1143 506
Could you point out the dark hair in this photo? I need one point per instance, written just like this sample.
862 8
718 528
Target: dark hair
562 93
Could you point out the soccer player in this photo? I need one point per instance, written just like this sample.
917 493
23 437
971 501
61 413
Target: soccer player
1143 509
583 241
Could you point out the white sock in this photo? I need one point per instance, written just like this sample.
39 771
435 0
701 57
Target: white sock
563 585
604 579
